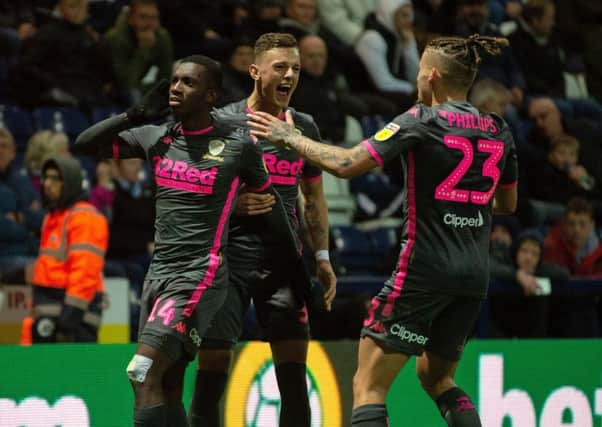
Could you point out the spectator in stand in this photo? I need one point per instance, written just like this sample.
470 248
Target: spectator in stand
237 84
197 26
63 64
317 94
473 17
545 59
103 193
519 261
389 53
263 18
18 245
17 25
558 180
574 244
141 50
345 18
42 145
68 284
490 96
131 242
29 205
433 17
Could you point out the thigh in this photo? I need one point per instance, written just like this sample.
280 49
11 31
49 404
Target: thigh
280 312
452 327
226 326
181 310
405 328
377 368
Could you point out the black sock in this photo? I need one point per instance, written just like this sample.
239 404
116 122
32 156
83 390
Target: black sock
457 409
208 390
176 416
292 384
371 415
154 416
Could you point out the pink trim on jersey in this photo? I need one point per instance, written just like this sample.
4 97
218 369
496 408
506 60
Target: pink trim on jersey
115 149
283 180
195 132
312 179
404 256
509 185
413 111
261 188
213 253
372 152
281 116
185 186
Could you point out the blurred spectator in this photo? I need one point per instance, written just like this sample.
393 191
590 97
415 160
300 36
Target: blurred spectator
317 93
42 145
473 17
301 19
263 18
434 17
68 284
574 244
18 246
558 180
345 18
141 50
490 96
29 206
237 81
505 10
549 124
196 27
132 227
388 50
103 192
519 260
63 64
17 25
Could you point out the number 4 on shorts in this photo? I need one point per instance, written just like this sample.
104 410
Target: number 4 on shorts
166 312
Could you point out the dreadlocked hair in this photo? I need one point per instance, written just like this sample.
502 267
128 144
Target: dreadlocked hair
460 56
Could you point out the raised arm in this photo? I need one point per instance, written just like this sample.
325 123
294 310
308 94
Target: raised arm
341 162
97 140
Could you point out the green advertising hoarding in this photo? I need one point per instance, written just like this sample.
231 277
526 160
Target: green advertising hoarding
515 383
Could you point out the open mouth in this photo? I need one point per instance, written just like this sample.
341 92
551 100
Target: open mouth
283 90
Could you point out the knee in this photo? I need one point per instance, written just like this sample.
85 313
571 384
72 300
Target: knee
140 374
215 360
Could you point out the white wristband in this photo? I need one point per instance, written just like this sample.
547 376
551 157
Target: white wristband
322 255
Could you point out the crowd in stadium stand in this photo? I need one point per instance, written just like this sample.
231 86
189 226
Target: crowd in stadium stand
67 63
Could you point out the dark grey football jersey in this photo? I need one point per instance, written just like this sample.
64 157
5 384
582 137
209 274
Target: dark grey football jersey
453 160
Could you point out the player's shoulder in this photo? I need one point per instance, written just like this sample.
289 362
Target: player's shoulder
233 127
238 107
301 118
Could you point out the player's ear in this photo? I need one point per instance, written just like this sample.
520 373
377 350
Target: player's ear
254 71
434 75
211 96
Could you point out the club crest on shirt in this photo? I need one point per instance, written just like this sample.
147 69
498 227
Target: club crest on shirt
216 146
387 132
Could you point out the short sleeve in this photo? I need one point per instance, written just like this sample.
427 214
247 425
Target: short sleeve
310 171
253 171
509 177
397 137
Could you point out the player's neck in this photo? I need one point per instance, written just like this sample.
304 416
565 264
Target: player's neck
447 96
256 102
197 121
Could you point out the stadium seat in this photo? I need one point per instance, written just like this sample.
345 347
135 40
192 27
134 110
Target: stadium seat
384 240
19 123
341 204
352 250
61 119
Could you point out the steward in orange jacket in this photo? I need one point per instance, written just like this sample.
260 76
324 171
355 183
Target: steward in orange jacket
68 283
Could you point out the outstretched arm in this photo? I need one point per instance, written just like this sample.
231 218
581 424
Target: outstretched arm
342 162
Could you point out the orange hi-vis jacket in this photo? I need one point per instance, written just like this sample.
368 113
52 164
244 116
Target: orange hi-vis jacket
72 250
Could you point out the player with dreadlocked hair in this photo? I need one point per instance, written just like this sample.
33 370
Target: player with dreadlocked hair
459 167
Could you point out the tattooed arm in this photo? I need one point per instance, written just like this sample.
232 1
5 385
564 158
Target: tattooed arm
315 213
341 162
